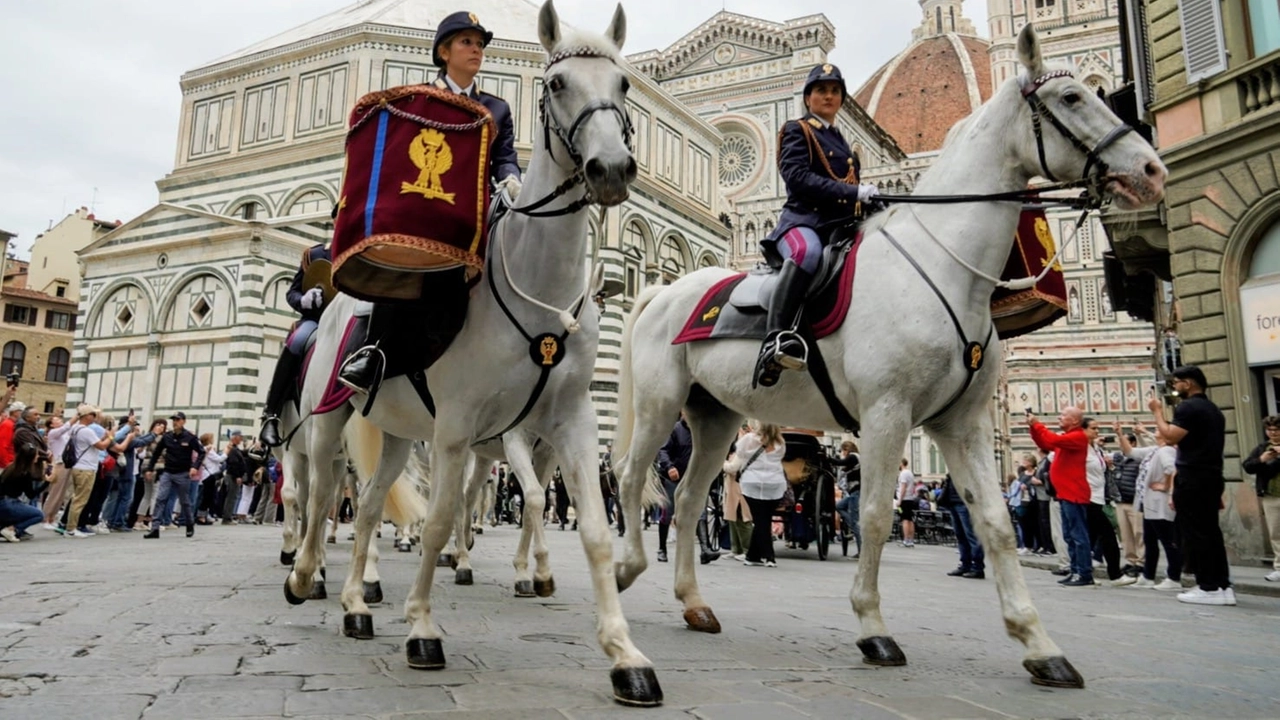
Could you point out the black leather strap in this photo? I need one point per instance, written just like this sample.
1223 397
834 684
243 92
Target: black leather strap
822 379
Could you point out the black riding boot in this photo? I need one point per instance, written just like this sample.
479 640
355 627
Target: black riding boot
364 369
287 368
782 348
710 551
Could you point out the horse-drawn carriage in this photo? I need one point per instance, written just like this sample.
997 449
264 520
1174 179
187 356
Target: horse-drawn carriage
811 519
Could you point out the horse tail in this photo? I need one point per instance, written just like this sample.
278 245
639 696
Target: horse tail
405 506
626 410
654 494
364 445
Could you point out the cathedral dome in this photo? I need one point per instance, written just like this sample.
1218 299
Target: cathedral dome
941 78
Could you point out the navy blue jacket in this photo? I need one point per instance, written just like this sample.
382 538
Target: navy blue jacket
821 174
502 157
677 451
296 291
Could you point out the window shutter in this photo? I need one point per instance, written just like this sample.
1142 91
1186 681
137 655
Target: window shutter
1202 40
8 312
31 317
48 319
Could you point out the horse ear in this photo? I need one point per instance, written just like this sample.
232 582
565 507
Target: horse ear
617 31
1029 51
549 26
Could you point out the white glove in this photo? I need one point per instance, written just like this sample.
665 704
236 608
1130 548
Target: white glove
512 185
313 299
866 192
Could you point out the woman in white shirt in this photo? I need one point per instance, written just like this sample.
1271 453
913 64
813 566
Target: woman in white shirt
57 432
1152 491
758 466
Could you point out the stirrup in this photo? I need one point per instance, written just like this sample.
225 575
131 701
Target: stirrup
363 352
790 362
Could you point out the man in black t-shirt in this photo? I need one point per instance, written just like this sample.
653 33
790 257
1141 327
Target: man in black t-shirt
1199 430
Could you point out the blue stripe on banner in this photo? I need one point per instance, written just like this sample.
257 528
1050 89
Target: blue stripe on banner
379 148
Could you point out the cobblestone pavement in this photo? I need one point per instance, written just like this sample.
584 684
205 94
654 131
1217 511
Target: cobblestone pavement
118 627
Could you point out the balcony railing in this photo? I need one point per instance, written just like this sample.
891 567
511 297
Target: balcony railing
1259 88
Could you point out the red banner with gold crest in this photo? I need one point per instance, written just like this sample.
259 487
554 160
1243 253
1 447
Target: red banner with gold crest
415 192
1018 312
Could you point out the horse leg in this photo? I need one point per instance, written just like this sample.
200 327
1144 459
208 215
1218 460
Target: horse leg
357 622
462 574
968 453
289 497
423 646
634 682
516 447
544 585
372 580
713 430
881 451
325 435
636 482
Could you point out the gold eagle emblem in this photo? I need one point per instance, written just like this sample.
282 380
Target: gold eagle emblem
711 314
975 357
472 17
1046 241
826 69
431 154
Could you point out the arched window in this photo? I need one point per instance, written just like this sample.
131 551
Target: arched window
671 258
310 203
59 362
15 354
633 237
1266 254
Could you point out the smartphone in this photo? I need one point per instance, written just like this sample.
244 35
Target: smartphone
1028 410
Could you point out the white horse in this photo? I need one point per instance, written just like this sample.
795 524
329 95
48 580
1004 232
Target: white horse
896 361
483 384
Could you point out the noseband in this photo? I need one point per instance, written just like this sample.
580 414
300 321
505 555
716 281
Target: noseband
1093 160
568 137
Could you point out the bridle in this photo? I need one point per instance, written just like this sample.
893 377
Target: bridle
1092 182
552 125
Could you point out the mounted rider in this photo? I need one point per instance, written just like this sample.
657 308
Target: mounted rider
459 52
307 295
823 194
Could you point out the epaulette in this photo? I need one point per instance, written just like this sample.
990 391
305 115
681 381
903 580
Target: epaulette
816 123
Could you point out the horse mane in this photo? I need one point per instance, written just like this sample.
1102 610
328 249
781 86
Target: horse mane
573 39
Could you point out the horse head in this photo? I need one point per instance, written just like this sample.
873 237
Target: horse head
584 103
1072 135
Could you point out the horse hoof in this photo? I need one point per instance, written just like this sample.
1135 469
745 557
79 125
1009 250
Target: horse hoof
462 577
318 592
286 558
359 627
323 576
1053 672
702 620
524 589
882 651
404 547
425 653
331 540
289 596
637 687
444 560
373 592
544 588
478 531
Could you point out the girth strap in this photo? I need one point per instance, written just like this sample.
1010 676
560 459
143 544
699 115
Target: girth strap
822 379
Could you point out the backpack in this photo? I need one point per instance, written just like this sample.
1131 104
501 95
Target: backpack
69 455
1042 472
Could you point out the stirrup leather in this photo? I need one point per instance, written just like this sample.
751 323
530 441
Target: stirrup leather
790 362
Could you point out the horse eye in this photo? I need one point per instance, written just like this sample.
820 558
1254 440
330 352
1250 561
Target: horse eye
626 86
1071 98
556 84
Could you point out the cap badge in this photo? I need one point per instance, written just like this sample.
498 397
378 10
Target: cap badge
826 69
472 17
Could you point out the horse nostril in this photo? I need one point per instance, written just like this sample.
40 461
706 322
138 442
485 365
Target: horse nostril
1153 169
631 169
595 170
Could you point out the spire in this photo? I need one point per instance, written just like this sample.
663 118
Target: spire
942 17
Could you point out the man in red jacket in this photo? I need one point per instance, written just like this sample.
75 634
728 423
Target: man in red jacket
6 433
1067 473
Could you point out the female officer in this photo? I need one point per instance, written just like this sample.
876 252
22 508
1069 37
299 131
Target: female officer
458 52
823 193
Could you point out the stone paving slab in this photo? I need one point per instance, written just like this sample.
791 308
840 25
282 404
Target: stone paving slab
199 629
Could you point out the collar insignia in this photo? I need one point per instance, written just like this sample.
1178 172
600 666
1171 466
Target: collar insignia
816 123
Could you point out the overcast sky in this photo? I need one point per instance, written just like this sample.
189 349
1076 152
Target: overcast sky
92 98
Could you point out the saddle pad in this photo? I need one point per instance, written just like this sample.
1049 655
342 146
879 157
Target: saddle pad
723 314
335 393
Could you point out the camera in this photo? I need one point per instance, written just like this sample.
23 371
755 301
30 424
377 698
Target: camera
1028 410
12 379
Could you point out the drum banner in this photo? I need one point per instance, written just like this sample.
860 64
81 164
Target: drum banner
415 192
1018 312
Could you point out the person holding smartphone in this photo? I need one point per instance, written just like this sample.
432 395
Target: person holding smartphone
1264 465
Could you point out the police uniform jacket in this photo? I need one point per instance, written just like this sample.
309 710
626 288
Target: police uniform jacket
821 174
502 156
296 291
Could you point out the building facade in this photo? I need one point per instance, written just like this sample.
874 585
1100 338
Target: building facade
1207 263
183 307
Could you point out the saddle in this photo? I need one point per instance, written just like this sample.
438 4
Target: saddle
738 306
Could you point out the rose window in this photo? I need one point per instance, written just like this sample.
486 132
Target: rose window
738 157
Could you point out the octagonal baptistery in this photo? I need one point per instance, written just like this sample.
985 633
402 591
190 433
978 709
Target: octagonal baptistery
942 77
